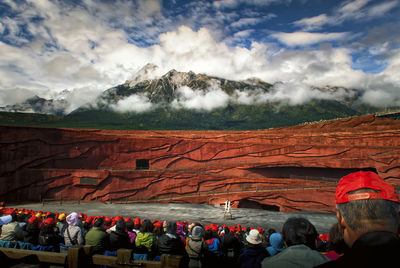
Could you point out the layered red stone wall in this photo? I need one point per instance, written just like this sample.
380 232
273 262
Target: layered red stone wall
294 168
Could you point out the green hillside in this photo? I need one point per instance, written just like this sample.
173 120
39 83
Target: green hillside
232 117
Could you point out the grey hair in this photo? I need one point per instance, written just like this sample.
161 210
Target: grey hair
359 214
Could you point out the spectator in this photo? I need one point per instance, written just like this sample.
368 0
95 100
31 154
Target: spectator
231 246
11 230
254 253
336 244
276 244
97 237
73 232
368 213
132 234
170 242
136 225
49 237
300 237
145 237
119 238
213 242
181 232
32 230
196 248
62 224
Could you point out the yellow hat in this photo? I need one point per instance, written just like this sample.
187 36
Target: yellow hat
62 217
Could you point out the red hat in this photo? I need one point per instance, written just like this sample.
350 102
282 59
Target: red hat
33 219
158 224
49 221
137 221
362 180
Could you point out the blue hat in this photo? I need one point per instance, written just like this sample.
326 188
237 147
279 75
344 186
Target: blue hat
5 219
276 242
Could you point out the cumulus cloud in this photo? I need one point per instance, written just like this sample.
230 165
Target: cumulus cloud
87 50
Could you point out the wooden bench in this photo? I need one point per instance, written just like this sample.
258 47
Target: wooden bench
81 257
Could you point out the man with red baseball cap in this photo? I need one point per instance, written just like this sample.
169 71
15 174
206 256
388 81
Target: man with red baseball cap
367 208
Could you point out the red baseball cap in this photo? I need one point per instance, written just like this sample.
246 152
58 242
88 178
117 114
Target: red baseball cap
364 180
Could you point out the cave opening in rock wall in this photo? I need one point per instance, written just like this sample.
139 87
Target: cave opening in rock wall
246 203
310 173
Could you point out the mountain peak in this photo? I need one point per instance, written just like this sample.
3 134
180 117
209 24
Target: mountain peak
148 72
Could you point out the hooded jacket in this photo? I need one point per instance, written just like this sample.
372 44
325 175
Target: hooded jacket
73 232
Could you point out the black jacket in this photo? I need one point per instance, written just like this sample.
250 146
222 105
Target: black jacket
252 256
31 233
119 240
373 249
167 244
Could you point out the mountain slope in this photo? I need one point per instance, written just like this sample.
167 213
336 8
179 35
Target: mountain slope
188 101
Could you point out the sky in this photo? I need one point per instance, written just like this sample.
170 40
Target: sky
77 49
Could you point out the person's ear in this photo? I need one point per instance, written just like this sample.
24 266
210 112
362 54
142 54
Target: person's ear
341 222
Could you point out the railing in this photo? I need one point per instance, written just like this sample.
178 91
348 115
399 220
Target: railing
81 257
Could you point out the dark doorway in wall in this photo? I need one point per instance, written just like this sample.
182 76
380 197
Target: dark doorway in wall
142 164
245 203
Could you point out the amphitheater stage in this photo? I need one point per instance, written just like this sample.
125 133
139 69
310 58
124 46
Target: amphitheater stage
203 213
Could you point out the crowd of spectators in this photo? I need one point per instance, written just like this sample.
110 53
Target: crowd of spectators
371 231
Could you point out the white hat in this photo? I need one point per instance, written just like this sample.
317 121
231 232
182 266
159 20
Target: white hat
254 237
5 220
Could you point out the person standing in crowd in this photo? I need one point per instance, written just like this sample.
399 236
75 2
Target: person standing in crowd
300 238
73 232
97 237
368 216
254 253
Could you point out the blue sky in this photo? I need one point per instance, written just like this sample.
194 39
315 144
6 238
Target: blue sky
77 49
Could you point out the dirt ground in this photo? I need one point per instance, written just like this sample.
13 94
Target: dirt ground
191 212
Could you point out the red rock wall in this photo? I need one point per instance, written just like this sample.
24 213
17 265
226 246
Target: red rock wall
294 168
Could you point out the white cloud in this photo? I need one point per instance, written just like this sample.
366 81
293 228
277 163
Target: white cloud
349 10
137 103
77 48
380 9
312 23
307 38
212 98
